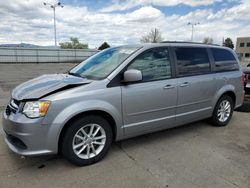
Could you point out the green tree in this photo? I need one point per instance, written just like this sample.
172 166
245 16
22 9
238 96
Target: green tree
73 44
154 36
208 40
228 43
104 46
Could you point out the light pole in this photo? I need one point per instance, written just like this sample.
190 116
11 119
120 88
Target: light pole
54 10
193 24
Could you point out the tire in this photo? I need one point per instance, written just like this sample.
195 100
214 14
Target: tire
218 120
79 136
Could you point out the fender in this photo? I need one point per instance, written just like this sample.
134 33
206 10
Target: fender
76 108
85 106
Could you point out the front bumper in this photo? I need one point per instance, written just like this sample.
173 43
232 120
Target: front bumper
27 136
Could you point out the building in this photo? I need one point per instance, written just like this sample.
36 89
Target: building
243 47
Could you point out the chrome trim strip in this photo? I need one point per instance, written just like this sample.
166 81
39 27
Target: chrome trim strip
12 107
192 103
150 111
194 111
148 121
13 104
164 118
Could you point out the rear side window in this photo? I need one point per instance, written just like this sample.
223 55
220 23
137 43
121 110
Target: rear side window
192 61
224 60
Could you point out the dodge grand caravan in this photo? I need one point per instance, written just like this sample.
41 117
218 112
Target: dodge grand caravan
122 92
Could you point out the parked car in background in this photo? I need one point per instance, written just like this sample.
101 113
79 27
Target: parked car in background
246 78
119 93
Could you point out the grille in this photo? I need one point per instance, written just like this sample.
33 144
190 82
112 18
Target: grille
12 107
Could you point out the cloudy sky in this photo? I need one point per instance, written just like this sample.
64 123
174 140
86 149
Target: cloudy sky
122 21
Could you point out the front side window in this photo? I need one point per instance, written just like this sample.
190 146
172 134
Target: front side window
100 65
192 61
154 64
224 60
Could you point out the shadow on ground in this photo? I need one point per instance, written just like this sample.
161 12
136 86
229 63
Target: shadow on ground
51 161
246 105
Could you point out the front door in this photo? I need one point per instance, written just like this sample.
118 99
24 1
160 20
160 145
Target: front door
150 105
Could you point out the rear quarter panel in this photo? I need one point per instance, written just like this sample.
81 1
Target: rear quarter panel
229 81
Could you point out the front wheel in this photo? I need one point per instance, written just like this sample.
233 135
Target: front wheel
87 140
223 111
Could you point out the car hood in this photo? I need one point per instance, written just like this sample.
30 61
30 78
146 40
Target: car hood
45 85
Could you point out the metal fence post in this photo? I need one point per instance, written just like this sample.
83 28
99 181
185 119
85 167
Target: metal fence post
75 56
16 54
58 54
37 60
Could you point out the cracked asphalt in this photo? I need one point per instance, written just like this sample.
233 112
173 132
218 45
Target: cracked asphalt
195 155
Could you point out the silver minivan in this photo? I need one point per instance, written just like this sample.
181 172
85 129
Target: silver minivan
122 92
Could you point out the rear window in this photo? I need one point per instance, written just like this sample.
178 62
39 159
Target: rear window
224 60
192 61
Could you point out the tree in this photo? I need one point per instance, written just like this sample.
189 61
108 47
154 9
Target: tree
228 43
208 40
104 46
154 36
73 44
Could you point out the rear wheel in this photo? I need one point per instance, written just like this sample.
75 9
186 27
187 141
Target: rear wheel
87 140
223 111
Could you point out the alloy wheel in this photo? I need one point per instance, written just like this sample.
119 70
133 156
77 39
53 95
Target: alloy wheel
224 111
89 141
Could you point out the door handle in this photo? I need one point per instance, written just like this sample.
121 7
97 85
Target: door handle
169 86
185 84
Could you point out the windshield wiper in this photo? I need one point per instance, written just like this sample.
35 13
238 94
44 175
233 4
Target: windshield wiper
74 74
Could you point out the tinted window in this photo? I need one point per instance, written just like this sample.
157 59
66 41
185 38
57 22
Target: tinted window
248 44
192 61
154 64
224 60
242 44
222 55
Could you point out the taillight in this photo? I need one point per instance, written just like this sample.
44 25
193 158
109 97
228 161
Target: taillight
244 79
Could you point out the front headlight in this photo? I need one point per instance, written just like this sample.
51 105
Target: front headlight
35 109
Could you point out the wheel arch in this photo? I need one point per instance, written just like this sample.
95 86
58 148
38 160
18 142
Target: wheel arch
225 90
100 113
230 94
214 118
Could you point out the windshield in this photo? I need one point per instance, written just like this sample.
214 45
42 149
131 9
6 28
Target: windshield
100 65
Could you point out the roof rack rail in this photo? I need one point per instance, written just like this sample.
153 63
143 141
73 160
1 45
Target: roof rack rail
185 42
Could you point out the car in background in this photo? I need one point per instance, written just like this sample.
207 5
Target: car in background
246 78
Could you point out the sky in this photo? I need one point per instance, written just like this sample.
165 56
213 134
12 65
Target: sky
122 21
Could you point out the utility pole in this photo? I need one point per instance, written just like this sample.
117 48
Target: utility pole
223 42
54 11
192 25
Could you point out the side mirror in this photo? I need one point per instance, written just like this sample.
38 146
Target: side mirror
132 75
